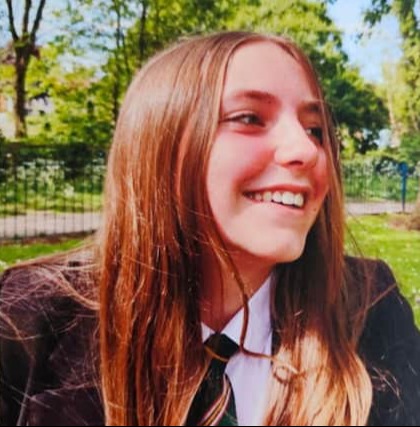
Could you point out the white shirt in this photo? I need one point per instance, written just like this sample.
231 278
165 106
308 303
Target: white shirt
249 375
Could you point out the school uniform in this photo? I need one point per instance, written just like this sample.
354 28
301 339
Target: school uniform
44 380
249 375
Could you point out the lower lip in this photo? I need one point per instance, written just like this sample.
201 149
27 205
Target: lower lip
289 210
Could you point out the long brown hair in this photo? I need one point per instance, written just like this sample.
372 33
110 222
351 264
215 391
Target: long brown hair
157 220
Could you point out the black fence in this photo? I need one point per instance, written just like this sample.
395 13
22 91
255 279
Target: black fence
46 190
50 190
377 187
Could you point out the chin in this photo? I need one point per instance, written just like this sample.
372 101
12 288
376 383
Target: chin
289 254
275 252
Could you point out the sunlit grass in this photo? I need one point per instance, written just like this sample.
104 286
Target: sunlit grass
13 253
400 249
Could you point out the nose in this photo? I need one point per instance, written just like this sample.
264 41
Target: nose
294 148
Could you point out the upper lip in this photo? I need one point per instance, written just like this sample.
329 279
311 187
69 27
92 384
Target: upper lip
293 188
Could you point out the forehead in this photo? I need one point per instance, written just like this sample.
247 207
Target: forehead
266 67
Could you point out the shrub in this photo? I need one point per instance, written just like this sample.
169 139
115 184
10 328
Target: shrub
414 223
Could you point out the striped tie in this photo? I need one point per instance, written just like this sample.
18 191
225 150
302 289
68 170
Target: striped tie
214 403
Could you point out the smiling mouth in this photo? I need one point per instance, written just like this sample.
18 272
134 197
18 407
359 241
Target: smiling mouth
287 198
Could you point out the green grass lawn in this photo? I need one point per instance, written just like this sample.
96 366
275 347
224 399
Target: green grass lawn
400 249
376 238
10 254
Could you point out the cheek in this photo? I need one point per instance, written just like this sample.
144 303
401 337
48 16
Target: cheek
236 159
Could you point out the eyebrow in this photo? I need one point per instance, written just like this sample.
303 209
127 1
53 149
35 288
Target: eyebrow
253 95
311 107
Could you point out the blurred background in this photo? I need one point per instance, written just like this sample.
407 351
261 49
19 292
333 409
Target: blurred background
65 66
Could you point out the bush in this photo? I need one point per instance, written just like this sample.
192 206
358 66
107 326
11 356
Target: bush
410 148
3 139
56 178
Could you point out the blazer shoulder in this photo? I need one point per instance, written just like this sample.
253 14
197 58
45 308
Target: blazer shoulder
389 346
375 273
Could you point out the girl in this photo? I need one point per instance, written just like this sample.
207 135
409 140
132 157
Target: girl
216 291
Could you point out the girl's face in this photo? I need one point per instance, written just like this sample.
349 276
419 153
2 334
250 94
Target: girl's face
268 174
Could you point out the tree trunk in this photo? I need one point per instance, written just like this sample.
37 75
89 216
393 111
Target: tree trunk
24 47
115 100
21 67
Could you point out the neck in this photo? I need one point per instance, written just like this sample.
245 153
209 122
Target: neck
220 295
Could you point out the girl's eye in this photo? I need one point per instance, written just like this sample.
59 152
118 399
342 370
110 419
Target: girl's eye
315 132
248 119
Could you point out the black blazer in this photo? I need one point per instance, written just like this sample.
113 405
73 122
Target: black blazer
45 377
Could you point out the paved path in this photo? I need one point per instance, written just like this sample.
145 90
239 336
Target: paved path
45 223
48 224
377 208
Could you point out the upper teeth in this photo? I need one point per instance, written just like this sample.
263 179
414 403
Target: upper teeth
286 198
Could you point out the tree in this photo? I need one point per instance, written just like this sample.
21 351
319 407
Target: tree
23 46
407 73
102 27
128 32
407 109
105 41
78 109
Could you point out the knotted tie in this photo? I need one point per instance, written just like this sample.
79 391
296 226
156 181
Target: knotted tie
214 403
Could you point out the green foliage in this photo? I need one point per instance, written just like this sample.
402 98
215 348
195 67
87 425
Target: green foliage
6 78
78 113
2 139
378 9
410 148
123 34
359 111
403 81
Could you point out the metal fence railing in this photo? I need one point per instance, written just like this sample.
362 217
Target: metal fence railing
371 188
50 190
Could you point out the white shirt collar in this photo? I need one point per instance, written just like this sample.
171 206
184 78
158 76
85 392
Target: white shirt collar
259 324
